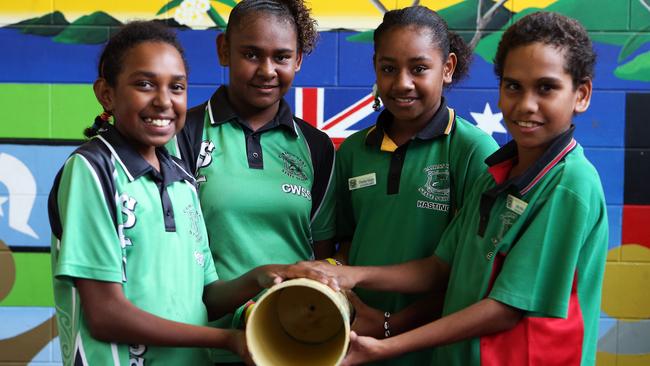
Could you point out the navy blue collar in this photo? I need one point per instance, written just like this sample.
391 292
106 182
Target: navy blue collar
221 111
440 124
135 165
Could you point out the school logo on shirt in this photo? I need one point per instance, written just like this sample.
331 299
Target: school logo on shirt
436 187
195 220
204 159
294 167
507 219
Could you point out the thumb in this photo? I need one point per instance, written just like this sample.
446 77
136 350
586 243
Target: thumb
353 336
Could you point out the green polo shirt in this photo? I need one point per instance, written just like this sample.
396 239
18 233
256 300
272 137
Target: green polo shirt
395 202
116 219
266 194
536 242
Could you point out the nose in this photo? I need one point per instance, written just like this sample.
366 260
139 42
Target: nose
403 81
528 103
163 98
266 69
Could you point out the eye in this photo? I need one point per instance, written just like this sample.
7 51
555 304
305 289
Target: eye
283 58
511 86
250 55
546 88
387 69
178 87
144 84
419 69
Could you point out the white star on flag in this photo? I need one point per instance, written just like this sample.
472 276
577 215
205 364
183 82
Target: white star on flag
488 121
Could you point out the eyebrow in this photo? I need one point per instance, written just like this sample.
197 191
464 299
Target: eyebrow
150 74
413 59
543 79
257 49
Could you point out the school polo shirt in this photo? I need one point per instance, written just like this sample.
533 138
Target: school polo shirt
395 202
116 219
536 242
259 189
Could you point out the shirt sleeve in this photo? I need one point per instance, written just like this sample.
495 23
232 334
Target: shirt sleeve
469 163
538 272
90 246
345 222
323 226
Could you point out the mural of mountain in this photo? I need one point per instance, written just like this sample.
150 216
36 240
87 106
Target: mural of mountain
89 29
48 25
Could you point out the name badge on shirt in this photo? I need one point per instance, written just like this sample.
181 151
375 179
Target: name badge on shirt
515 205
362 181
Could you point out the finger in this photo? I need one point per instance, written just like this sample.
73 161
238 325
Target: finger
353 336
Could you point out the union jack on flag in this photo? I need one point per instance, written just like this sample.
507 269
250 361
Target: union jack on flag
309 104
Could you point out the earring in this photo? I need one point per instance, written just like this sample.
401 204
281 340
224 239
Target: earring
376 105
106 116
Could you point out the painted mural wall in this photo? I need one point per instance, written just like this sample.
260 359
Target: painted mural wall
47 64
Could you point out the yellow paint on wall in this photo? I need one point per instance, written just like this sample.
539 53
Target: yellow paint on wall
605 359
625 290
431 4
633 360
635 253
519 5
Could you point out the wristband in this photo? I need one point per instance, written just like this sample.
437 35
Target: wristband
248 309
333 262
241 315
386 324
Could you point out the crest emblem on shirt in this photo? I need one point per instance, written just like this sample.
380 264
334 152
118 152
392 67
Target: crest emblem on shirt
507 218
436 187
195 220
294 167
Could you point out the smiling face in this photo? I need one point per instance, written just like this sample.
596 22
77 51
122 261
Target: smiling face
149 99
411 73
537 96
263 57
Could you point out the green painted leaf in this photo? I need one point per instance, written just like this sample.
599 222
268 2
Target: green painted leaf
637 69
633 43
362 37
230 3
170 5
216 18
599 15
462 16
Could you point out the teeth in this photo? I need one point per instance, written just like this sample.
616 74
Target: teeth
158 122
404 100
526 124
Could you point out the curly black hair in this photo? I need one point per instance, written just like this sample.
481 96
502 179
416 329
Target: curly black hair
444 39
129 36
564 33
293 10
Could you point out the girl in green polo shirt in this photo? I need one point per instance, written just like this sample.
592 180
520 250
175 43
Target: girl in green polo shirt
523 260
134 280
264 175
401 181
